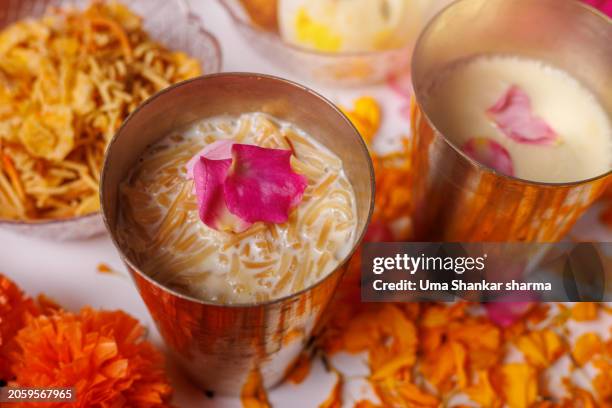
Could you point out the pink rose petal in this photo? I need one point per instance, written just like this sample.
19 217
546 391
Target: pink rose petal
490 153
262 186
510 308
504 314
513 115
209 177
237 185
604 5
219 150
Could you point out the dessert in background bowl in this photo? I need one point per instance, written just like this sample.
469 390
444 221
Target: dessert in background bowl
70 72
338 43
235 201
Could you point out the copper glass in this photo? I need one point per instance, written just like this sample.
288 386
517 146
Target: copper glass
457 198
221 346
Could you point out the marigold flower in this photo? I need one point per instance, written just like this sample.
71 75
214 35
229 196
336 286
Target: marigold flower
101 354
15 308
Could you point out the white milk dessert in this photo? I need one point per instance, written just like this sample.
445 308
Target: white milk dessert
523 118
237 210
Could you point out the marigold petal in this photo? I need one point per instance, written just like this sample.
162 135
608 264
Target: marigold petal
541 348
15 310
519 385
584 311
586 346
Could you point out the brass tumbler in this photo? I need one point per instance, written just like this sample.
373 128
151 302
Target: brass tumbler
222 346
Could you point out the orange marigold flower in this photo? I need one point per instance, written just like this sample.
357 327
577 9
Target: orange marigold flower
14 311
101 354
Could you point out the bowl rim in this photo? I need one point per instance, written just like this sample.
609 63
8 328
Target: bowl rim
191 18
238 20
475 163
49 221
286 298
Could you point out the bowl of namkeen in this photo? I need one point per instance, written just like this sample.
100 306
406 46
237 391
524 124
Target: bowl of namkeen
235 200
70 73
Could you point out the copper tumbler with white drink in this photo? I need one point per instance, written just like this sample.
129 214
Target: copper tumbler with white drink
235 201
511 119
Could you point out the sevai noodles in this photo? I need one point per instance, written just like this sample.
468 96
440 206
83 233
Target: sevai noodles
67 81
161 231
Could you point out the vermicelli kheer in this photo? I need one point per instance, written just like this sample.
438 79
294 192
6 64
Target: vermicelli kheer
220 259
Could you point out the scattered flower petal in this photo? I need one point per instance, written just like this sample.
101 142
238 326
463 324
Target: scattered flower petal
587 346
513 115
366 116
490 153
541 348
519 385
504 314
253 394
584 311
482 392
